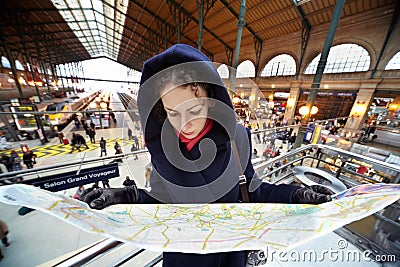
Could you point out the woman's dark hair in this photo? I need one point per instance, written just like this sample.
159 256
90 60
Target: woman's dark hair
178 77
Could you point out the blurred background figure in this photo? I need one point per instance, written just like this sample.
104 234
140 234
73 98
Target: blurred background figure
3 236
128 181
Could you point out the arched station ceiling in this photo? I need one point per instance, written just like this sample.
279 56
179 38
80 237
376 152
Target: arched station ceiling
131 31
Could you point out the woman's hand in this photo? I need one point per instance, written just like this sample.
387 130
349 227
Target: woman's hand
314 194
104 197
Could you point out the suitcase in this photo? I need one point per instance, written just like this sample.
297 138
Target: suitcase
65 141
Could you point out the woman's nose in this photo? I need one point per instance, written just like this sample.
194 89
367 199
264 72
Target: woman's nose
185 123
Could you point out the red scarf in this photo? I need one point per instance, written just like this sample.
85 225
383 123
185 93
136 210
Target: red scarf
191 142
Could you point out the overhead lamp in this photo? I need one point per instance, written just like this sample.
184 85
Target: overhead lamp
103 105
358 109
394 106
236 100
304 110
93 105
314 110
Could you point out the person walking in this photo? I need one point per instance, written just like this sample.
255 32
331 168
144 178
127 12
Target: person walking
103 148
81 141
3 236
147 171
136 142
291 141
106 183
83 123
133 149
6 160
80 192
74 143
128 181
118 150
112 115
129 133
60 135
92 125
29 158
179 109
91 133
15 160
77 123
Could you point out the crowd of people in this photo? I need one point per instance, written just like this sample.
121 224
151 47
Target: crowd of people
14 162
82 191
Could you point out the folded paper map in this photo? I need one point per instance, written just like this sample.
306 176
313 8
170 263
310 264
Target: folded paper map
208 228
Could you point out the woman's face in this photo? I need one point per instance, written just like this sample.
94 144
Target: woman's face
186 111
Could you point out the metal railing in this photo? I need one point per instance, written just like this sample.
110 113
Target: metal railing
268 171
76 165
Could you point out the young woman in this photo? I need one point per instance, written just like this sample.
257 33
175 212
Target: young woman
189 129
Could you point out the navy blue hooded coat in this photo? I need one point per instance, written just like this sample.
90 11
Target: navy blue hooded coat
208 172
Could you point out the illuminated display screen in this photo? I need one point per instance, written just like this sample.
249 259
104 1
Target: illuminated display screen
24 121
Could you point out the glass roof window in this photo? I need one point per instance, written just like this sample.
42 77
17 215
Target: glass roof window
280 65
5 62
18 65
343 58
223 71
98 24
300 2
246 69
394 63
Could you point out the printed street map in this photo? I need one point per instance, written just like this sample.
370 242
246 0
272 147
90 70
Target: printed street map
208 228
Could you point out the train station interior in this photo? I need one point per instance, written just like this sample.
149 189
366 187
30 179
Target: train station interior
316 82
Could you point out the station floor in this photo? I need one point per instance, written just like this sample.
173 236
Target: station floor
38 238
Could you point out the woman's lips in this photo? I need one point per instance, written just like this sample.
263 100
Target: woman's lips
188 133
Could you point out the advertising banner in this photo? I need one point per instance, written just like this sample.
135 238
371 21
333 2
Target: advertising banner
37 74
28 73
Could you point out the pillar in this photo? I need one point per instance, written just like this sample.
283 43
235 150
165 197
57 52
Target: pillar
359 111
291 103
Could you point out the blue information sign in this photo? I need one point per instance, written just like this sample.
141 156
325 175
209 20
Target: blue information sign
68 180
309 133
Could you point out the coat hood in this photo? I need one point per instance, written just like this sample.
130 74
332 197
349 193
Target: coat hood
197 68
193 176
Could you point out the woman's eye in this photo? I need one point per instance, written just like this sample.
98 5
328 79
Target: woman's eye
195 112
172 114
